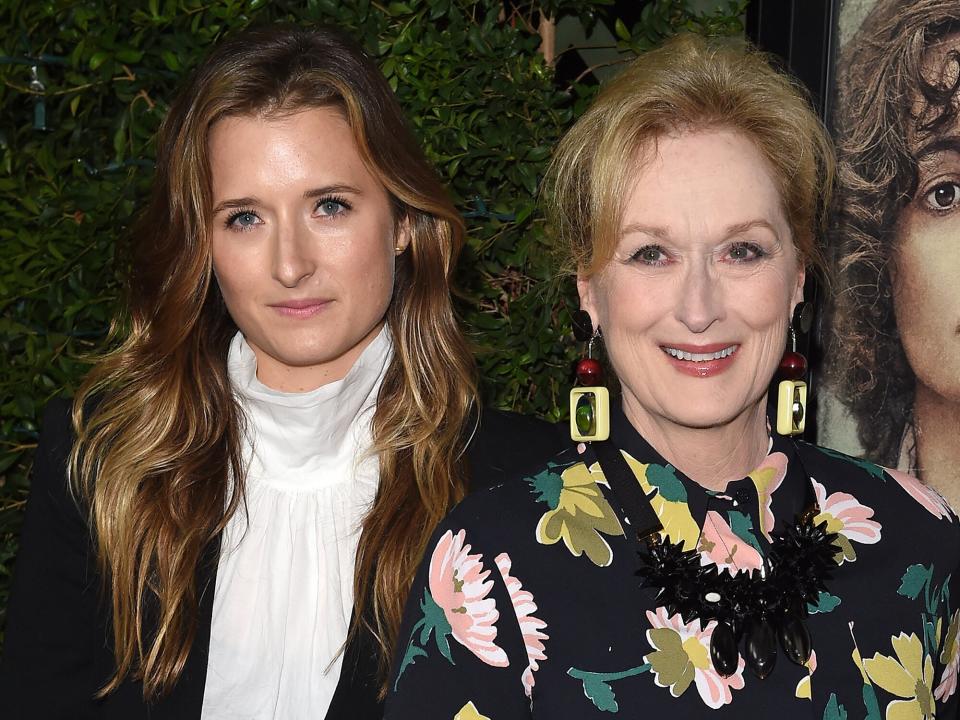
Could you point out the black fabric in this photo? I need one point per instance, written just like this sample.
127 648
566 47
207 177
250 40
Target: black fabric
58 649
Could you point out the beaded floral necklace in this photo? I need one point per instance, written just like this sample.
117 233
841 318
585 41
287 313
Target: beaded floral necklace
753 609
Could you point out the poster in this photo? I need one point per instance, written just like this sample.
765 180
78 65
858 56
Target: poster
891 383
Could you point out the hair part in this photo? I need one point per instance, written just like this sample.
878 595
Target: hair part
688 84
881 74
158 456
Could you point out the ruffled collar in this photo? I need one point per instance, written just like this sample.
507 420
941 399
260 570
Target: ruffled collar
294 437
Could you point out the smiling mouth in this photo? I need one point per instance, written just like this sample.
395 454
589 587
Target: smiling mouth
699 357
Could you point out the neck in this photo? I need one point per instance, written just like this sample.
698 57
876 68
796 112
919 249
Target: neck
710 456
937 422
282 377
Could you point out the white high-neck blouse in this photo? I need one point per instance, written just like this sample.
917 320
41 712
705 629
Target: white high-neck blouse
284 588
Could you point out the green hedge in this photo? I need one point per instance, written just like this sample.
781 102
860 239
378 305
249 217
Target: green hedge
85 84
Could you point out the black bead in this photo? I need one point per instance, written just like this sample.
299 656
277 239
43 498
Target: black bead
760 646
582 325
795 639
723 650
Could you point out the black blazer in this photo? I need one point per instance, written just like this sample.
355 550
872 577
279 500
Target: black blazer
58 651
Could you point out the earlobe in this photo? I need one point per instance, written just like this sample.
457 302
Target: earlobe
402 236
585 291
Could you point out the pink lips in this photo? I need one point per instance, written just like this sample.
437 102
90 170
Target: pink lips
703 368
300 308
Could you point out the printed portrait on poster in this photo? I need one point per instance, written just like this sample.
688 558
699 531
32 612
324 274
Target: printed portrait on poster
892 335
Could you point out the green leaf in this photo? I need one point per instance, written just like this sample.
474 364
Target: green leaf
825 603
871 704
98 59
914 580
547 484
742 526
665 479
621 30
600 694
834 710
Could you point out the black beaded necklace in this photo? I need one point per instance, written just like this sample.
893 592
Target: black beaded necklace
755 608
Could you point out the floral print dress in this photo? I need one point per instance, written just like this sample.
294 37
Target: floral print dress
528 605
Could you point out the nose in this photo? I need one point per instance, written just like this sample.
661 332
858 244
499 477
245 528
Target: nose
293 260
700 302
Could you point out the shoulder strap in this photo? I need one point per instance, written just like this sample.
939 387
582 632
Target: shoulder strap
627 489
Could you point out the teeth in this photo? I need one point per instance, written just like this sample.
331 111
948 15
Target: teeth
700 357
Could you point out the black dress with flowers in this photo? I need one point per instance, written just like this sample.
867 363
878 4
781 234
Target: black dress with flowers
528 604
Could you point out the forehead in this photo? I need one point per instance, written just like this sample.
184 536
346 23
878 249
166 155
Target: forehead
702 178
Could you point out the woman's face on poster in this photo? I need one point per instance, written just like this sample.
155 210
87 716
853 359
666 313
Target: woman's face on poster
926 261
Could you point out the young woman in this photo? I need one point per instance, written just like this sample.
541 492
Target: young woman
268 450
896 349
691 564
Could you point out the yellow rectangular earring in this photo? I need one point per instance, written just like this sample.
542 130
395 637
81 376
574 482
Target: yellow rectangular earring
791 407
589 414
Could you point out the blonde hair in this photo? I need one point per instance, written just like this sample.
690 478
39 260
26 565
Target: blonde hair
158 429
688 83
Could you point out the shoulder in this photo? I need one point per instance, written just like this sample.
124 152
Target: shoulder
53 449
506 445
897 499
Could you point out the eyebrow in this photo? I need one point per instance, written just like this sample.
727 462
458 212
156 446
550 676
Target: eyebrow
730 231
943 144
253 201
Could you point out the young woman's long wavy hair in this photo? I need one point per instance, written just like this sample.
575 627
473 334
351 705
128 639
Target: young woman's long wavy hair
157 457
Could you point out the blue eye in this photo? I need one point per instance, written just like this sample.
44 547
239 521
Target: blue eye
332 206
745 252
650 255
242 220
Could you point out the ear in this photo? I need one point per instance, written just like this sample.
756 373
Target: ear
798 290
586 289
401 236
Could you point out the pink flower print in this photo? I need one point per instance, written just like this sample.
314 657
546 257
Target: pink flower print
721 546
767 479
459 586
846 517
682 655
530 626
931 500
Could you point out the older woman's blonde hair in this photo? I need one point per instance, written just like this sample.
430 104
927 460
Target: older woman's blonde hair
688 83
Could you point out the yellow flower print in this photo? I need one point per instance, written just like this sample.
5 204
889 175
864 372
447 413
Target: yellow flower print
669 500
803 687
950 657
908 676
581 514
469 712
767 479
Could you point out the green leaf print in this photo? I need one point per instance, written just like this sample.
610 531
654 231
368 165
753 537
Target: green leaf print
665 479
914 580
871 704
596 685
825 603
433 622
834 710
547 484
742 526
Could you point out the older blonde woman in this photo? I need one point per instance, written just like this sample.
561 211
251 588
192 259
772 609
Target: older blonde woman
690 565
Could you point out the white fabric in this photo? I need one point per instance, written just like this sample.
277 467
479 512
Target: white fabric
284 588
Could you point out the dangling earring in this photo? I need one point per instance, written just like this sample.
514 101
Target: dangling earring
590 404
792 390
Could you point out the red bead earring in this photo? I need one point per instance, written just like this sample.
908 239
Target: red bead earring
792 390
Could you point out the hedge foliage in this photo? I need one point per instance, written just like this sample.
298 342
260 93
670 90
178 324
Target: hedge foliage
85 84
